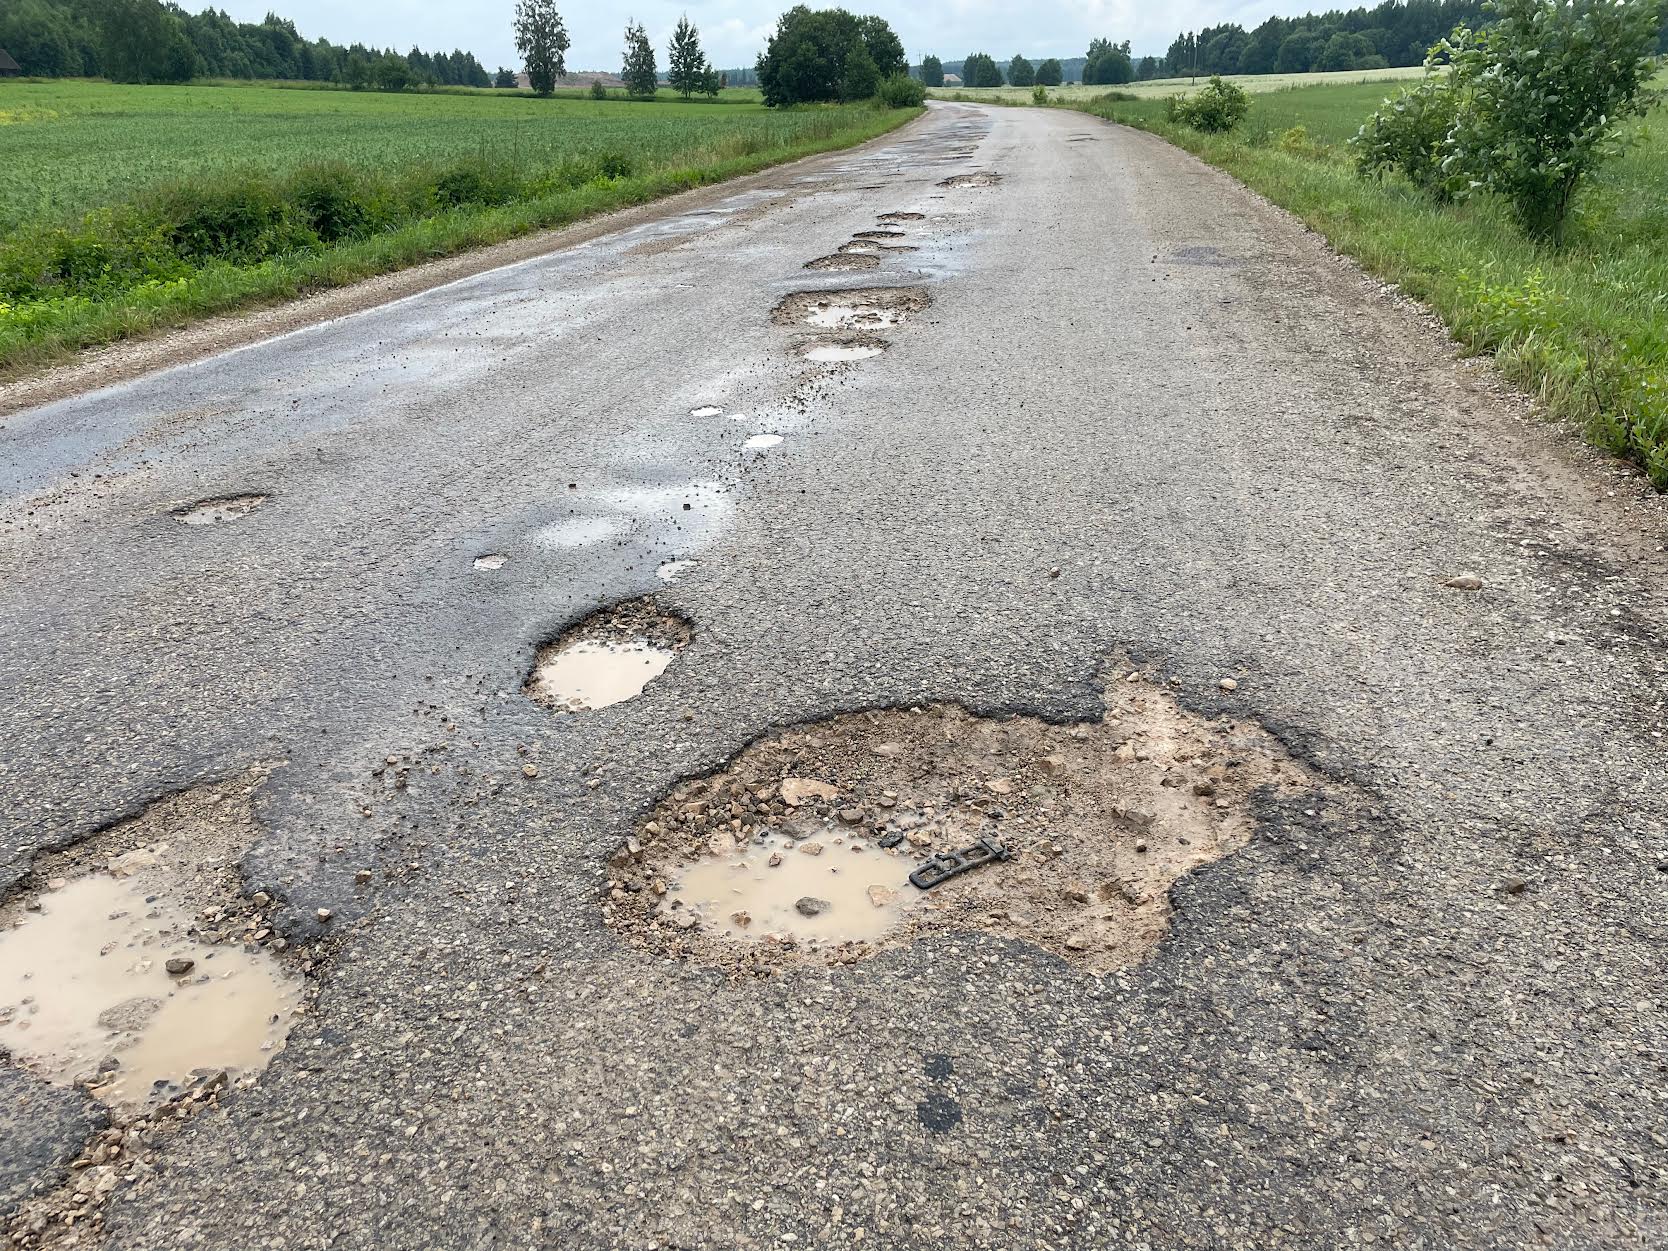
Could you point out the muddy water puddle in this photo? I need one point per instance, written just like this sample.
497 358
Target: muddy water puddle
216 512
826 890
86 994
608 658
138 969
1095 822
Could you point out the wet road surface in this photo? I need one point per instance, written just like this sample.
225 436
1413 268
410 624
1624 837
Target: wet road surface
1130 416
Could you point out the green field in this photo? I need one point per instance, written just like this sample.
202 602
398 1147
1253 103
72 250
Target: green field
1585 327
127 208
1160 87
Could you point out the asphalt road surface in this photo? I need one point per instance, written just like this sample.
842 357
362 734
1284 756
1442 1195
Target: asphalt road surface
1432 1020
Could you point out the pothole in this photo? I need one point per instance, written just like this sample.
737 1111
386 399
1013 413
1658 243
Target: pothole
608 658
758 442
213 512
984 179
493 560
873 308
706 410
842 353
671 570
902 217
1074 833
849 262
879 236
137 969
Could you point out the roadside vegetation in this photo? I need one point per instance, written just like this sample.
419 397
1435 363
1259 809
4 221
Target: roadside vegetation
1522 194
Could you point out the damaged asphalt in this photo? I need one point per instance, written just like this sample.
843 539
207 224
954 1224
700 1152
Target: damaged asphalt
1436 1021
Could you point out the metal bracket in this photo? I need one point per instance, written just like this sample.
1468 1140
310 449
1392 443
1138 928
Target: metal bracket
944 865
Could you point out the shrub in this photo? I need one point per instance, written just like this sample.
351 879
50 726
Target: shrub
1545 89
1215 109
328 197
1409 134
598 91
1039 94
236 219
903 92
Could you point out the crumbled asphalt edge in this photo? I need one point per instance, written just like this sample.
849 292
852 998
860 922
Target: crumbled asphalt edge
76 1167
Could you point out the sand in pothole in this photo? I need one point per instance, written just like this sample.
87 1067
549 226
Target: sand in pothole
137 966
608 658
226 508
1098 819
872 308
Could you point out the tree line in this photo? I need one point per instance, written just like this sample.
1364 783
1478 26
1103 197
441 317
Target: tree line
148 41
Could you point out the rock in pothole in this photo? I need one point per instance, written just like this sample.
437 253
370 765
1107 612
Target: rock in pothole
608 658
213 512
1094 822
138 969
859 309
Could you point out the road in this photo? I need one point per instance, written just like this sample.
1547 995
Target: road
1146 422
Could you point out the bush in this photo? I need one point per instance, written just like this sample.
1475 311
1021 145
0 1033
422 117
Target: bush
1039 94
329 199
1216 109
241 220
1297 142
1544 91
903 92
1409 134
598 91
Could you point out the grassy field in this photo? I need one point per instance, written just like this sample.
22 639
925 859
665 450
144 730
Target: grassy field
1585 328
127 208
1158 88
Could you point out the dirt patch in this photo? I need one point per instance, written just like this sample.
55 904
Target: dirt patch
132 965
849 262
608 658
1079 832
213 512
902 217
963 181
859 309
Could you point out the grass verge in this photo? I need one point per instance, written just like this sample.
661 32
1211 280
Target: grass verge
219 241
1583 328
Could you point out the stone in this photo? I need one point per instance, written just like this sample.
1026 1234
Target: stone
1229 685
721 843
1051 766
740 919
797 791
775 859
1000 786
324 915
810 849
1077 894
808 906
851 816
1077 942
529 770
179 966
880 896
1204 789
1513 886
1466 581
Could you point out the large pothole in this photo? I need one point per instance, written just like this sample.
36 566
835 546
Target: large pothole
608 658
1069 837
964 181
134 966
221 509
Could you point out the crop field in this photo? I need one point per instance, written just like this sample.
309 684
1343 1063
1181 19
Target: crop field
1584 327
1160 87
75 145
127 208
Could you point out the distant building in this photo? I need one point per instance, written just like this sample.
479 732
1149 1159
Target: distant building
8 67
952 80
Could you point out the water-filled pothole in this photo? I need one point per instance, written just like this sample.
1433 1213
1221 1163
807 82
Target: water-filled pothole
608 658
1096 821
971 180
871 308
138 969
213 512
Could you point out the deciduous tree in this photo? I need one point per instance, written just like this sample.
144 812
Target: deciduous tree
542 39
932 71
686 64
641 72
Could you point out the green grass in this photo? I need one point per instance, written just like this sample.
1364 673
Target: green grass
1584 328
1160 87
108 217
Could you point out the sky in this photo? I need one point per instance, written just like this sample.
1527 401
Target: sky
733 32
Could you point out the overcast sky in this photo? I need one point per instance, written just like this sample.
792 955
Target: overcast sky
734 31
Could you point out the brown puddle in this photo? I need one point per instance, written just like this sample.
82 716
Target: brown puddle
608 658
124 976
214 512
1098 820
871 308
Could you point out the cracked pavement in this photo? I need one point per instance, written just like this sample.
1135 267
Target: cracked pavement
1435 1021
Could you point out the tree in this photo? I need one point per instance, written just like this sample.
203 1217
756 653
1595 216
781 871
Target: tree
1338 54
503 78
686 64
1108 63
932 71
826 54
1049 73
141 42
712 82
542 40
1021 73
980 70
391 73
641 73
1298 53
1544 93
